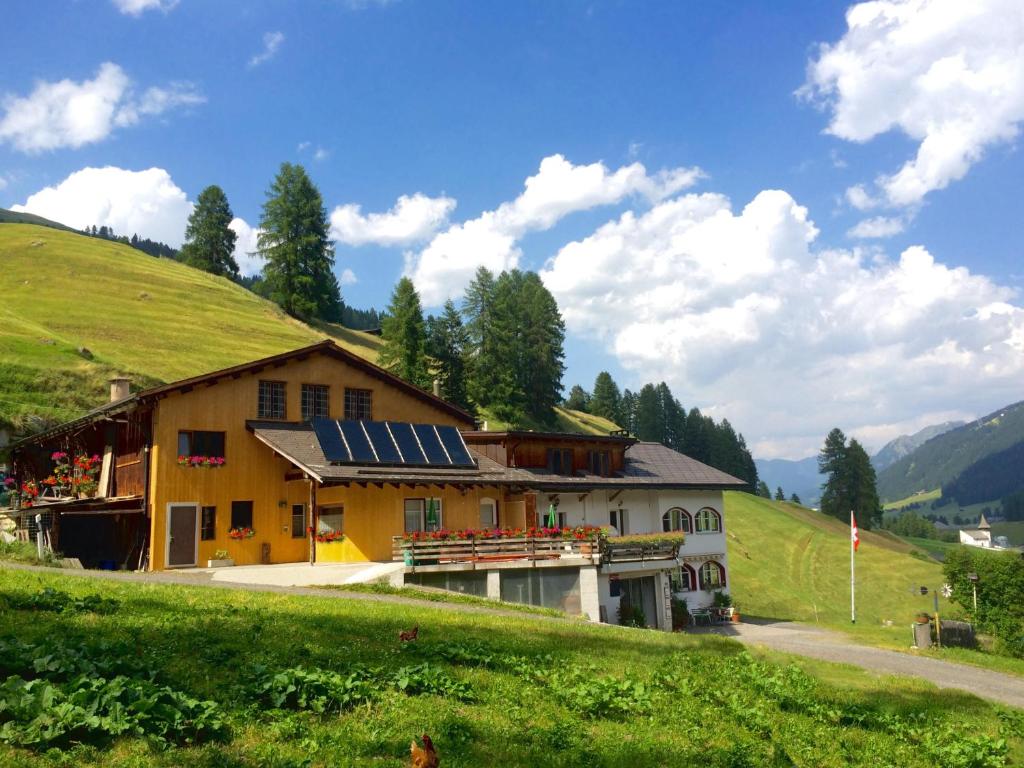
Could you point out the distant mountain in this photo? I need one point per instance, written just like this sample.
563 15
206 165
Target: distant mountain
799 477
896 449
941 460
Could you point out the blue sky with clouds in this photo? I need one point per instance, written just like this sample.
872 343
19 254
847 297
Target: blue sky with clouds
797 214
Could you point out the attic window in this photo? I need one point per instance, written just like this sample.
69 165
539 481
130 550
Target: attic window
315 399
358 404
271 400
600 463
560 461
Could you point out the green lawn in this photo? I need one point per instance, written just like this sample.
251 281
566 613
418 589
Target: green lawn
789 562
304 681
1013 531
917 498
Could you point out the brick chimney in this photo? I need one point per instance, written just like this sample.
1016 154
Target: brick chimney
120 388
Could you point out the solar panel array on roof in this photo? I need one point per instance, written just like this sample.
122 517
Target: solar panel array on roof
392 443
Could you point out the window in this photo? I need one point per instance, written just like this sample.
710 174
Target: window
560 461
359 404
208 525
271 401
712 576
315 399
488 513
195 443
676 519
619 519
417 515
331 520
684 579
298 521
708 521
241 514
600 463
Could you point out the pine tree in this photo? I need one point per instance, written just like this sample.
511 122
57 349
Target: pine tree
779 495
673 417
543 340
478 311
209 241
762 490
447 342
650 416
404 334
578 399
627 412
832 464
606 401
698 441
850 484
863 493
299 253
795 499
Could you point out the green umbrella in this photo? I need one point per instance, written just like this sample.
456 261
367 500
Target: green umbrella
552 517
431 513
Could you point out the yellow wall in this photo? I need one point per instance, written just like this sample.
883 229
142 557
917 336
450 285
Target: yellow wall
252 471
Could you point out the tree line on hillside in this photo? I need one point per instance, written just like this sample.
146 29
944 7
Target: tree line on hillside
765 492
654 414
501 350
998 475
147 246
850 484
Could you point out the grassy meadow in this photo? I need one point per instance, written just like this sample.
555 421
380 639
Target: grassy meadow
255 679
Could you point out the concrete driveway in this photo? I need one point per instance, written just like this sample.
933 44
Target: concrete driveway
293 574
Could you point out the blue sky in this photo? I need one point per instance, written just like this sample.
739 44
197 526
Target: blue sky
460 103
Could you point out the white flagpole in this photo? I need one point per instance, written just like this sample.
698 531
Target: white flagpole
853 580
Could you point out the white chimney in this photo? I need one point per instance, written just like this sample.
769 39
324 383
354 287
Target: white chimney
437 387
120 388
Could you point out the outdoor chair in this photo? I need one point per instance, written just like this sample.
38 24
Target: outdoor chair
699 614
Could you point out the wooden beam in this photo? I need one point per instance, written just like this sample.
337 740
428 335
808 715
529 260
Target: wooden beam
582 496
615 495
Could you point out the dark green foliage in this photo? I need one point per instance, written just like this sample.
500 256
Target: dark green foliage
144 244
779 495
602 696
606 400
627 412
578 399
209 241
447 344
850 481
299 253
49 599
1000 589
993 477
794 498
763 490
361 319
1013 506
404 333
910 524
478 311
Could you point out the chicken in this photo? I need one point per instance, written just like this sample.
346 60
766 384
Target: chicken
409 636
425 756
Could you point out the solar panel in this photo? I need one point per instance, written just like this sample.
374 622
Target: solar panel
456 446
387 453
358 444
431 444
329 437
407 443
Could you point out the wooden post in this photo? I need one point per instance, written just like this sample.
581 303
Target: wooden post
313 522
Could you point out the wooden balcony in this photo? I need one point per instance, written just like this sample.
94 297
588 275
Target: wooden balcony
639 552
483 554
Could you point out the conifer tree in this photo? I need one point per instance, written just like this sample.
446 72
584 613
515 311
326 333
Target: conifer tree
298 250
795 499
627 412
850 483
209 241
779 495
404 347
650 415
832 464
447 343
578 399
478 312
606 401
762 490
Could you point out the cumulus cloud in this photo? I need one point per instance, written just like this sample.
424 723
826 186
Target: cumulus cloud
739 312
946 73
559 188
413 219
877 227
248 260
145 202
348 277
139 7
271 42
72 114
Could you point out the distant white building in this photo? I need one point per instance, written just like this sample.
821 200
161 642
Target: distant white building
978 537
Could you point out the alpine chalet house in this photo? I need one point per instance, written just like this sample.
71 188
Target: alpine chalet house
316 455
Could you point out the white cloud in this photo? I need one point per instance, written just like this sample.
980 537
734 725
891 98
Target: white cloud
248 260
348 277
146 202
948 74
877 227
321 154
860 198
742 317
138 7
3 182
271 42
412 219
559 188
71 114
302 146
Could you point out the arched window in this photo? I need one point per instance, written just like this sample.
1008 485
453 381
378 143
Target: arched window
676 519
488 513
712 576
709 521
684 579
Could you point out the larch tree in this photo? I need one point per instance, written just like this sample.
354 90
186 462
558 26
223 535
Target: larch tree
478 313
447 344
295 242
404 349
209 241
606 400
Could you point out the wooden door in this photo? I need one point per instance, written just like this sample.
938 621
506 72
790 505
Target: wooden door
182 520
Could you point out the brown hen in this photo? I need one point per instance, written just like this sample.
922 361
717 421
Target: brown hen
425 756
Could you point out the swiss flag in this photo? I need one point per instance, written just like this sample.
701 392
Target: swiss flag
854 534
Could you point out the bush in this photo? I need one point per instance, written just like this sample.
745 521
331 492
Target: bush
603 696
50 599
319 691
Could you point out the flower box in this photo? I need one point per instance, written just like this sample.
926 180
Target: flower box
241 533
220 563
201 461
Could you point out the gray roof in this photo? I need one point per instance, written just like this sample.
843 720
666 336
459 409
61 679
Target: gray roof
648 465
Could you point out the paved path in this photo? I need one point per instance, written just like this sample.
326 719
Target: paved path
817 643
799 639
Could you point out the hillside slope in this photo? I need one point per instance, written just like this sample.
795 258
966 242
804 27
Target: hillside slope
789 562
903 445
942 459
800 477
153 320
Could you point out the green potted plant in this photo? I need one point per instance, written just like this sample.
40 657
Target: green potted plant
220 559
680 614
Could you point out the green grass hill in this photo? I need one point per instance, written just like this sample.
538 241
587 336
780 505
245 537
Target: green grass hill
17 217
77 310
